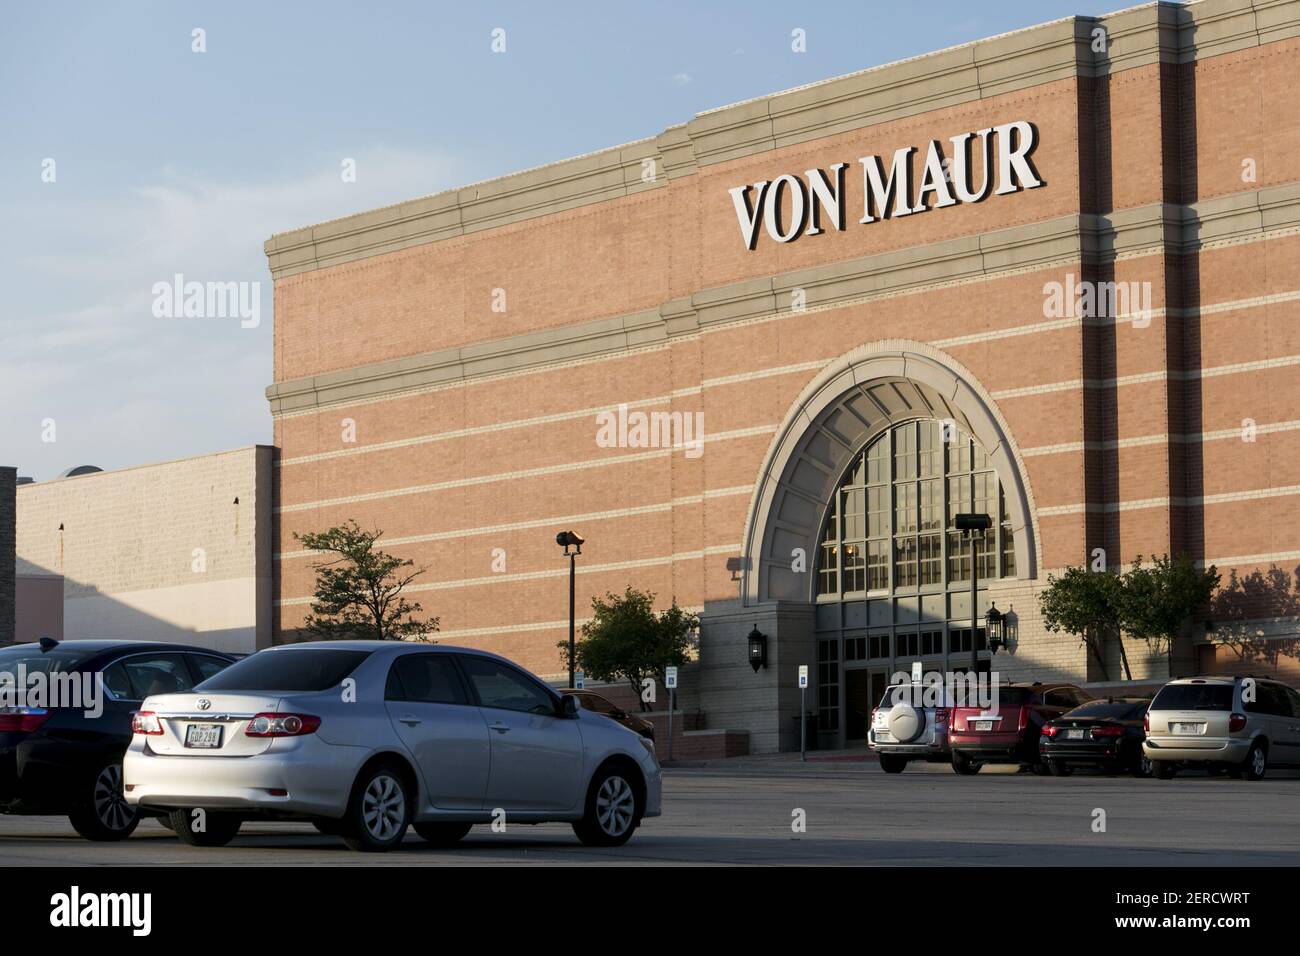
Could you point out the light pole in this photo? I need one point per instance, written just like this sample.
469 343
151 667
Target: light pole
567 539
968 523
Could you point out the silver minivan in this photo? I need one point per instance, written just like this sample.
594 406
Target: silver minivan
1242 724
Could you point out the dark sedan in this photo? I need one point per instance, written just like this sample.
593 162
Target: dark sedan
1106 734
64 756
600 705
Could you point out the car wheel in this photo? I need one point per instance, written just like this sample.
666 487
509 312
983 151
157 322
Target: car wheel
1143 767
442 834
1041 769
1059 769
105 815
964 765
613 809
1165 769
207 829
378 813
1256 764
892 763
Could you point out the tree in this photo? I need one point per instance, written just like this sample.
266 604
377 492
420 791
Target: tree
1086 603
625 640
1158 599
359 591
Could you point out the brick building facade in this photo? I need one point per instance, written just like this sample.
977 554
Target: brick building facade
444 368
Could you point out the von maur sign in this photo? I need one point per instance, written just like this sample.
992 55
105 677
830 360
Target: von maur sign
818 198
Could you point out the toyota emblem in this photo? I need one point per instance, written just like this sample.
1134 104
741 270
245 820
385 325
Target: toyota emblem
204 703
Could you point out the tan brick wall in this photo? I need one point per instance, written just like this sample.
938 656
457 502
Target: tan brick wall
127 549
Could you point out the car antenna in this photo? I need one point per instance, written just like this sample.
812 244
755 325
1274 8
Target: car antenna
48 644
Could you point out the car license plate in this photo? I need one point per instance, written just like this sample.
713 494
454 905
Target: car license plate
983 725
1074 734
203 736
1184 729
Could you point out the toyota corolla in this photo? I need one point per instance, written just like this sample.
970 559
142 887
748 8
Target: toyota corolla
364 738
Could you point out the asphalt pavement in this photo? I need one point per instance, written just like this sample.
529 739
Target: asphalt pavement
830 812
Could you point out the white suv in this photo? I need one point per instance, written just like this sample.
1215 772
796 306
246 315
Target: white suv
1242 724
906 726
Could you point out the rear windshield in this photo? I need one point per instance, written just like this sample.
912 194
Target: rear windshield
1118 710
288 670
1014 696
1194 697
32 660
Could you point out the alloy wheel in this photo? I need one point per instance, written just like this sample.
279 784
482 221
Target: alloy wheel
383 807
615 805
110 803
1258 761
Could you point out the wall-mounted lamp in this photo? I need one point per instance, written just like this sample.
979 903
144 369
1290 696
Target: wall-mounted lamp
757 649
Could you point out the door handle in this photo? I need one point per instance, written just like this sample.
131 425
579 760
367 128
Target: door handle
409 720
501 728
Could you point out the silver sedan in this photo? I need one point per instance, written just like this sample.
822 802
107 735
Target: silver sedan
364 738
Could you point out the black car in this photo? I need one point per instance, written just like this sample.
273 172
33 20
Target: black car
1105 733
68 759
601 705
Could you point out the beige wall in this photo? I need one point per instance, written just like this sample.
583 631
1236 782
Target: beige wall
159 552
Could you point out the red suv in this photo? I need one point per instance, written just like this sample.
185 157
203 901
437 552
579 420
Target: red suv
1009 733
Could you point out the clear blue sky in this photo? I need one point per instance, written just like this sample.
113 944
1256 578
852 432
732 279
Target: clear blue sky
169 161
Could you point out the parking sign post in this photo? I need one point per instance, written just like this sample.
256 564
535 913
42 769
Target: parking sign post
803 712
670 681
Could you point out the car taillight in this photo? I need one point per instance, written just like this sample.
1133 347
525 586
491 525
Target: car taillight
1050 730
146 722
1236 722
22 719
1146 723
1108 732
281 725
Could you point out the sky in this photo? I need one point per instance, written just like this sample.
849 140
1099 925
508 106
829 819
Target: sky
127 158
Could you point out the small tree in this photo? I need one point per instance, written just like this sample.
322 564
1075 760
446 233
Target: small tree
1158 599
1086 603
359 591
625 640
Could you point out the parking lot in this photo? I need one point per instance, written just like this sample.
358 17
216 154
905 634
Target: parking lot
741 812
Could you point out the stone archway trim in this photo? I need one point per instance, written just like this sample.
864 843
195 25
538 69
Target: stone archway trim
854 398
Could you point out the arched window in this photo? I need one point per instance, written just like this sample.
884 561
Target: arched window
894 566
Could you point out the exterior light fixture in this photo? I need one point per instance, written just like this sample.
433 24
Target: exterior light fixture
567 540
757 649
994 624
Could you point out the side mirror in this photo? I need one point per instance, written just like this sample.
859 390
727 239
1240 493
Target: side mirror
568 706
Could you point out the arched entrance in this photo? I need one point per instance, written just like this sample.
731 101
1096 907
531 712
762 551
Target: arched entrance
853 517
